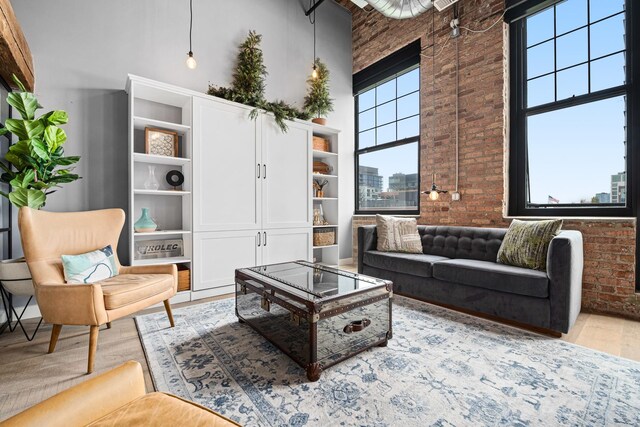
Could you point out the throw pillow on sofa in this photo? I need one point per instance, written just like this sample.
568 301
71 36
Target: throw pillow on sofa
398 234
90 267
527 242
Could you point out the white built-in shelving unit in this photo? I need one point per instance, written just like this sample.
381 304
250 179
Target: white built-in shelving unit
247 196
160 106
329 254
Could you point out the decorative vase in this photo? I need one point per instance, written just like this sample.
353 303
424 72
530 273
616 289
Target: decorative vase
151 183
320 194
320 120
145 224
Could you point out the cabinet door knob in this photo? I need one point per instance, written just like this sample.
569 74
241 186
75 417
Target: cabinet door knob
258 239
264 175
265 238
258 170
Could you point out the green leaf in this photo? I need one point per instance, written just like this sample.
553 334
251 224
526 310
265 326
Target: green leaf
54 136
57 117
66 161
3 131
39 148
18 83
27 197
25 102
64 179
2 193
24 129
23 179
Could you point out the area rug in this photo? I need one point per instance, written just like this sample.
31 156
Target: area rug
442 368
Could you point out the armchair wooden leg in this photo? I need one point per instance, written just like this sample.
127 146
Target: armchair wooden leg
167 307
108 325
55 333
93 344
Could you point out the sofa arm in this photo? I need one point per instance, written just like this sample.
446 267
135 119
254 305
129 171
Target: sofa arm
71 304
86 402
367 241
564 267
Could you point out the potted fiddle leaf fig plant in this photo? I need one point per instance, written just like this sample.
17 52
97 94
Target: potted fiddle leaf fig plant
36 163
35 166
318 102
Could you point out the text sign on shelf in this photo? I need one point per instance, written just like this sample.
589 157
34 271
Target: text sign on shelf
166 248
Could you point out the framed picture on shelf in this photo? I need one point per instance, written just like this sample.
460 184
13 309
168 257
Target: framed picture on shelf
160 142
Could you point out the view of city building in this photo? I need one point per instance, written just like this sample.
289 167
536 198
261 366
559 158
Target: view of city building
619 187
401 192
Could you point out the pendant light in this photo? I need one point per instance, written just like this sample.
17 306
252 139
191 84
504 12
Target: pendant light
434 193
191 61
314 73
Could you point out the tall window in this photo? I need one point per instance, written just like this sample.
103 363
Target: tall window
388 142
570 95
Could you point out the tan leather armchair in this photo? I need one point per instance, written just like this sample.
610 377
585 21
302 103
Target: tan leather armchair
48 235
116 398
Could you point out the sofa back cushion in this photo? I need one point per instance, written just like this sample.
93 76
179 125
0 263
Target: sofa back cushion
462 242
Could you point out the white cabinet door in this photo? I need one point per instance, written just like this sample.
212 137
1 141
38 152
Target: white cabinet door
226 160
284 245
286 189
217 255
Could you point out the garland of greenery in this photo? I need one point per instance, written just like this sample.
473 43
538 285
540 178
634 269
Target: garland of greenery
249 84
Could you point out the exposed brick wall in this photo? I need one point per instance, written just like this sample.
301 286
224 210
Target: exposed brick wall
609 277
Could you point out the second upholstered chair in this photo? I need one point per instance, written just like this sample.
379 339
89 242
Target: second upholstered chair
46 236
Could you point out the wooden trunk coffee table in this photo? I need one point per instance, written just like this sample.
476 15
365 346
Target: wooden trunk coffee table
317 315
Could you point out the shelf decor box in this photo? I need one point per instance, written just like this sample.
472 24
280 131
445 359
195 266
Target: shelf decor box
321 144
165 248
324 237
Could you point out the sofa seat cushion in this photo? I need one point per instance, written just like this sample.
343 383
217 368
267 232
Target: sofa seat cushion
490 275
160 409
414 264
126 289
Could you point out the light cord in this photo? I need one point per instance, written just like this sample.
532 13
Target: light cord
190 22
486 29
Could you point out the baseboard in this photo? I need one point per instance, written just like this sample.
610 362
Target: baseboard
208 293
345 261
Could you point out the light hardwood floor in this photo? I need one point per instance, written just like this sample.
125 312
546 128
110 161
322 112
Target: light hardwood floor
28 375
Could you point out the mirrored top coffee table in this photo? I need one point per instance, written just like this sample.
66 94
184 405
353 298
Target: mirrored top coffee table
317 315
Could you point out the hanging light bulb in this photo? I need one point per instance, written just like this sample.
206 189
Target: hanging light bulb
191 61
434 193
314 73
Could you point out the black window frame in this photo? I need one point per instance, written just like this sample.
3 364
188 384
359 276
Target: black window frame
8 229
517 11
391 67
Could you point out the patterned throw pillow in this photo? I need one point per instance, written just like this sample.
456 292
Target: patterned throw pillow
90 267
527 242
398 234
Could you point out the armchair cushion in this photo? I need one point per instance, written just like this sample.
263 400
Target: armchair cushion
160 409
126 289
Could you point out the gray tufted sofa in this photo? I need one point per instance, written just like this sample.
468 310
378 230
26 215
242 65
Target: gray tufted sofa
458 267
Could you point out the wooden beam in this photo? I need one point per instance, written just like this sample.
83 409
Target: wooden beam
15 55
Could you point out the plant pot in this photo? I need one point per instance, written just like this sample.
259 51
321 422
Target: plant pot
320 121
16 277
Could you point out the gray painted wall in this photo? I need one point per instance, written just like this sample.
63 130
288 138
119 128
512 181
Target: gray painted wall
84 49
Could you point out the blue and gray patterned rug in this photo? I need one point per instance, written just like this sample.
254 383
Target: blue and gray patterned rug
441 368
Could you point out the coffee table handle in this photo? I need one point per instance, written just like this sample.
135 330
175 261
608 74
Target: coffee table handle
356 326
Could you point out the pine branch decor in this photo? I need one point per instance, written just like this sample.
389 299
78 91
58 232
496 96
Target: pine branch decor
318 102
248 85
